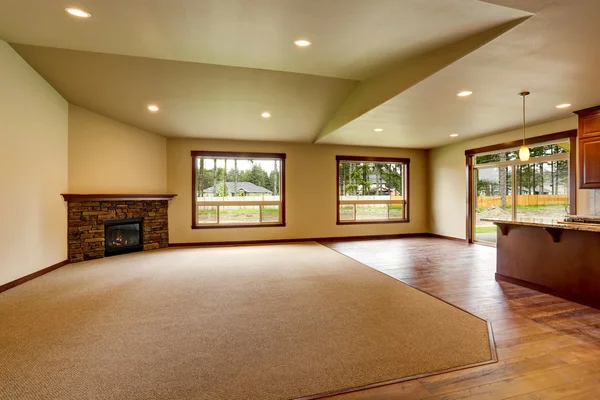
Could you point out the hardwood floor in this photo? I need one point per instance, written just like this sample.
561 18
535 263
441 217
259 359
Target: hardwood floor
548 348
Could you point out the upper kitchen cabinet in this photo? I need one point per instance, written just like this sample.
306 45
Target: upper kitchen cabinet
589 148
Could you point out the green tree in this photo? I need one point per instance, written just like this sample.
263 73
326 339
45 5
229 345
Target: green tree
235 177
205 178
360 176
255 175
351 189
487 187
378 169
222 190
274 182
392 174
503 184
345 173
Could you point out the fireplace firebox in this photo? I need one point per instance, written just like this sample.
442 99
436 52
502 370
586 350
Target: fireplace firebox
123 236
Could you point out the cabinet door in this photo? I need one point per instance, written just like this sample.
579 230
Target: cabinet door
589 161
589 125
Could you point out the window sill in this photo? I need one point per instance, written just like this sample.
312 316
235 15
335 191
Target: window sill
403 221
223 226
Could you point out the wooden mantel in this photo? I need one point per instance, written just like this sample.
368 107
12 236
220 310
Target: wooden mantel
115 197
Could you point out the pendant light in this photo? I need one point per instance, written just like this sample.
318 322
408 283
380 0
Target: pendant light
524 150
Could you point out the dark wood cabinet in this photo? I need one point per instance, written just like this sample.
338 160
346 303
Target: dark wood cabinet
589 151
589 148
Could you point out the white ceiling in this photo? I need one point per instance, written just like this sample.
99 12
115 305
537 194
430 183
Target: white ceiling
195 100
353 39
549 55
215 65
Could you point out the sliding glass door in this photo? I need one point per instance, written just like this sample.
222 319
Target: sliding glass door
493 199
509 189
543 190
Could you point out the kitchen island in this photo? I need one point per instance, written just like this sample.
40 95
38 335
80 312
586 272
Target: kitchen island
562 259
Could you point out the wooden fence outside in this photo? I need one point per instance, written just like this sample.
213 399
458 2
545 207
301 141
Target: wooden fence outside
524 200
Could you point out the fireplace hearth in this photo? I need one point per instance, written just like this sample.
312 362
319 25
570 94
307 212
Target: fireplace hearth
123 236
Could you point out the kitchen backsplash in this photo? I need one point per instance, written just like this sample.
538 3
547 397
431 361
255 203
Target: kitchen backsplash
594 202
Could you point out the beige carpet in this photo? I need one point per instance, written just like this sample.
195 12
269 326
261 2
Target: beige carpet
256 322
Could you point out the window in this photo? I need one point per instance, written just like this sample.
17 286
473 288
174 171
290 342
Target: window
504 187
238 189
372 190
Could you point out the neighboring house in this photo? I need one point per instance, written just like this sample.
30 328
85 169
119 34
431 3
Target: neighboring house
383 189
243 189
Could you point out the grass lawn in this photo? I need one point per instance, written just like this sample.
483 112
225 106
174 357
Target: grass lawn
541 208
486 229
239 211
531 208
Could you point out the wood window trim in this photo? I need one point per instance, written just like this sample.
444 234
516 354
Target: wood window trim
239 155
517 143
573 175
406 182
471 153
470 198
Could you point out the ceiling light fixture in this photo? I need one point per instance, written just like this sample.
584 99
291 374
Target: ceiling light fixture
524 150
265 114
302 43
76 12
153 108
453 134
564 105
464 93
378 130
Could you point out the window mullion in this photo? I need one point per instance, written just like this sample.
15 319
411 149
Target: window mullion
515 200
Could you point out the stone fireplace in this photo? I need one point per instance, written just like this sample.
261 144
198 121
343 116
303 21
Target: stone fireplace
105 225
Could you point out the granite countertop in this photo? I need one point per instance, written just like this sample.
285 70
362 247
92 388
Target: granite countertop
547 223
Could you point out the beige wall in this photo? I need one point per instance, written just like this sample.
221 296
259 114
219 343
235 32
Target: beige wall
33 169
310 192
106 156
448 189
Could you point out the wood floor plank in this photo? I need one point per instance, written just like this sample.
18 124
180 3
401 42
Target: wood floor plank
578 354
540 346
572 391
501 344
548 347
525 384
474 377
521 332
411 390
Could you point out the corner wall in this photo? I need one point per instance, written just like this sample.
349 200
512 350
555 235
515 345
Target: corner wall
106 156
310 192
448 184
34 170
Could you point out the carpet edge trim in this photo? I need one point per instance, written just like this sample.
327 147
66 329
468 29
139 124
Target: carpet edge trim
493 360
491 340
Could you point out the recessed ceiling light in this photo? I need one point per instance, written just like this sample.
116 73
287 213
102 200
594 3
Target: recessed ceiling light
453 134
265 114
378 130
464 93
153 108
78 13
302 43
564 105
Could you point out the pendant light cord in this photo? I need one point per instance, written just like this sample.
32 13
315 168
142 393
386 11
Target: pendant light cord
523 120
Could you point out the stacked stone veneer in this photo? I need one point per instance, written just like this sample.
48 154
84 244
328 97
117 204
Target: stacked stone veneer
86 225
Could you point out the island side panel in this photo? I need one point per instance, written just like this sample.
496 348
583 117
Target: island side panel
569 268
